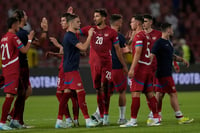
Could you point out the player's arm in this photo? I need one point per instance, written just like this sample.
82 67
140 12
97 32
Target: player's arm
120 57
50 53
55 42
176 67
136 58
85 45
180 59
25 49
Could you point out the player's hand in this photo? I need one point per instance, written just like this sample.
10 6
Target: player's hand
186 63
176 67
125 69
70 10
90 32
130 74
31 35
54 41
44 24
48 54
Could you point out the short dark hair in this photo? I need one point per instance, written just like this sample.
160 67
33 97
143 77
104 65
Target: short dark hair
115 17
164 26
102 11
139 18
147 16
65 15
71 17
19 14
11 21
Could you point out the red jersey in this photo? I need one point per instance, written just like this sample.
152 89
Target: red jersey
101 44
142 39
154 36
10 44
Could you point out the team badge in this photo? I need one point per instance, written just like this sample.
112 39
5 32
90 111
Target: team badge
154 38
106 35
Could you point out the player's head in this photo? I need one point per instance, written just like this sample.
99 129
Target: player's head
21 16
100 16
116 20
167 29
136 21
13 23
63 21
148 21
73 21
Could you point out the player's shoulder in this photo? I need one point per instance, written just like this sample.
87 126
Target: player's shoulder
140 34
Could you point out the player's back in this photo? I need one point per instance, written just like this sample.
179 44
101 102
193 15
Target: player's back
142 39
10 52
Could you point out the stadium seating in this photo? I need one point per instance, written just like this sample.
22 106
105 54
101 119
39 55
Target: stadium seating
52 9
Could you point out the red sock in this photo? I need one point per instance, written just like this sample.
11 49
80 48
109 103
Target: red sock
12 112
75 105
107 103
135 107
59 96
62 105
82 104
160 106
154 106
66 111
100 102
6 108
148 103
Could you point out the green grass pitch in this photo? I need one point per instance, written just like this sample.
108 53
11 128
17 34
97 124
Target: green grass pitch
41 112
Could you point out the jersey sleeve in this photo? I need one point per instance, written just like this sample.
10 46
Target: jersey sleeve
115 38
84 31
122 41
139 41
17 42
156 47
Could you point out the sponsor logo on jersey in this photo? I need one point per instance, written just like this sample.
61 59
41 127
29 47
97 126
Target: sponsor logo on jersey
106 35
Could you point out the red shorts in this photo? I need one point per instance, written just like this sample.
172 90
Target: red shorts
165 85
24 76
119 80
60 81
73 80
100 74
142 81
11 83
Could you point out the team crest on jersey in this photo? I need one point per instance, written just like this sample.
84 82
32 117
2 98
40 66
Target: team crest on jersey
106 35
79 84
138 35
18 41
147 37
154 38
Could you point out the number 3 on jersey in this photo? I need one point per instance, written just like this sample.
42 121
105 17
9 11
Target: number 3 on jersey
99 40
5 50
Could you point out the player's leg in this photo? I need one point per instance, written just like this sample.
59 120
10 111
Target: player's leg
135 105
62 109
75 108
122 107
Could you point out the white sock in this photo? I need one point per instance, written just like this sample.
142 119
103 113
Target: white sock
159 113
178 114
133 120
97 110
122 111
151 114
58 121
87 120
69 120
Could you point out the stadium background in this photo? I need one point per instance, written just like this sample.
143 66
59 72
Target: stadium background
44 70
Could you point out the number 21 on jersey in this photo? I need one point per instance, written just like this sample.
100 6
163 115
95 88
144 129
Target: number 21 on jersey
5 52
